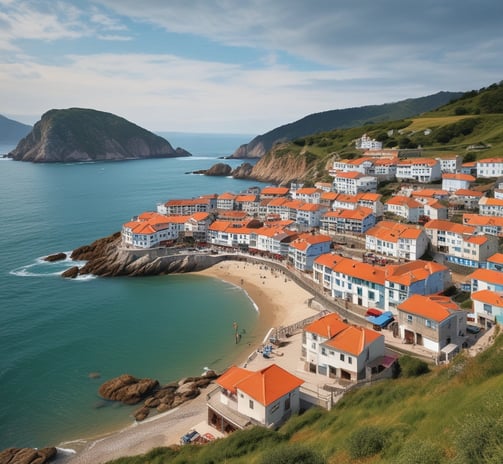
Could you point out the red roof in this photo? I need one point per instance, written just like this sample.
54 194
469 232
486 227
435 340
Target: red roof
434 307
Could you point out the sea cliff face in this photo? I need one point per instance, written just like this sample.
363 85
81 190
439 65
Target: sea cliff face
80 135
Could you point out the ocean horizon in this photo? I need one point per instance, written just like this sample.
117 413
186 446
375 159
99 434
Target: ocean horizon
57 335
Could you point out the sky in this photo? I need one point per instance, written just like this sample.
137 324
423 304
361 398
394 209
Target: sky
239 66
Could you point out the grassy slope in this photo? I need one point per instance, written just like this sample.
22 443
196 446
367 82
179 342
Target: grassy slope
447 414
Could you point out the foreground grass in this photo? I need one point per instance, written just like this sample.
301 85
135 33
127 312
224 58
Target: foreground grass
450 415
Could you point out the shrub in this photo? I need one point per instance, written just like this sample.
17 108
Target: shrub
292 454
365 442
413 367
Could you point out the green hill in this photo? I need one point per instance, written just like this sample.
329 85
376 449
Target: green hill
451 414
343 118
12 131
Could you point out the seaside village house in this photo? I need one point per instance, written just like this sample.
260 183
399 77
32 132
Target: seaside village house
434 322
245 398
337 350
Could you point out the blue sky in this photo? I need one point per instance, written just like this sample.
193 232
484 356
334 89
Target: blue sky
236 66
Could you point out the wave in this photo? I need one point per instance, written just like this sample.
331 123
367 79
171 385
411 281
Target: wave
65 451
42 268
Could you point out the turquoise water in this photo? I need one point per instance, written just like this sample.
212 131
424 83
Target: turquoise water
55 332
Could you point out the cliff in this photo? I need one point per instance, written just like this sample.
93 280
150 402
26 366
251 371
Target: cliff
77 135
342 119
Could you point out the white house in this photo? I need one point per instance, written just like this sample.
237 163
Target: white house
185 207
306 248
354 182
433 322
356 221
307 195
226 201
450 163
465 199
486 279
267 397
423 170
490 225
491 206
490 167
487 307
197 225
334 349
406 207
309 215
433 209
455 181
366 143
398 240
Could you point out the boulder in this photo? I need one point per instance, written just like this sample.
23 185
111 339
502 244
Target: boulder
141 414
128 389
163 407
55 257
219 169
243 171
71 273
27 455
152 402
187 391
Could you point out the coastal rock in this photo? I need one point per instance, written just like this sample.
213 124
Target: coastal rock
210 374
55 257
219 169
127 389
152 402
243 171
163 407
141 414
27 455
106 257
71 273
187 391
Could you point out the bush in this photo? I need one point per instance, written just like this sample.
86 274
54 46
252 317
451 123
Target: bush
365 442
413 367
292 454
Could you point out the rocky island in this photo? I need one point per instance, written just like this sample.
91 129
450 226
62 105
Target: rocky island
81 135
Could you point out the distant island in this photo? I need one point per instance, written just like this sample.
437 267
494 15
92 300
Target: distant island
80 135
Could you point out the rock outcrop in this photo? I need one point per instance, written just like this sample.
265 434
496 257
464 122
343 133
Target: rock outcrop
128 389
27 455
79 135
243 171
71 273
106 257
219 169
55 257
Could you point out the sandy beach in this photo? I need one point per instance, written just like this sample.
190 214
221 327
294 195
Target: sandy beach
280 302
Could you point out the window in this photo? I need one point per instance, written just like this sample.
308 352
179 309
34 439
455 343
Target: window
409 318
350 360
342 357
314 336
287 403
250 404
488 308
324 351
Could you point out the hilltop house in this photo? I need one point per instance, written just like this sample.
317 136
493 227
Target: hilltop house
244 398
487 307
354 182
423 170
490 167
456 181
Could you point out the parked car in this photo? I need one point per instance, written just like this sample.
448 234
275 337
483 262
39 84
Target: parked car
473 329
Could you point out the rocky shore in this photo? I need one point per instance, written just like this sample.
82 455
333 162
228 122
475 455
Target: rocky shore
27 455
106 257
131 390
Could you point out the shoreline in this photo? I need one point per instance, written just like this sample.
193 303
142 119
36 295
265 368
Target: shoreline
278 300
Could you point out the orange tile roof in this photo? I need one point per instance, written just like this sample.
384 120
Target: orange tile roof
458 176
326 326
349 175
361 270
294 204
220 226
470 164
489 297
429 193
353 340
481 220
491 201
358 214
329 195
307 191
468 193
200 216
346 198
368 196
496 258
441 224
399 200
280 201
434 307
269 384
243 198
328 260
413 271
226 196
275 191
311 207
188 202
305 240
386 162
490 160
487 275
231 377
410 161
151 222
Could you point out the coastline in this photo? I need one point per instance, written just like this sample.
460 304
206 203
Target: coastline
278 300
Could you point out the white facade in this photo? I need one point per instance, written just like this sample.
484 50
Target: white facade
423 170
490 167
354 182
491 206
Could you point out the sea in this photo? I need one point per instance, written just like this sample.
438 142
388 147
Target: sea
60 339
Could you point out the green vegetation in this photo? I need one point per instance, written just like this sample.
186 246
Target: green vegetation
471 126
451 414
